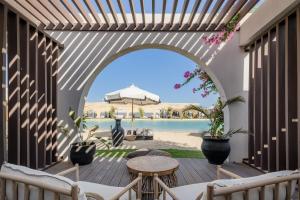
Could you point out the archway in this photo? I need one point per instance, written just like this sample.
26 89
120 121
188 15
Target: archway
182 52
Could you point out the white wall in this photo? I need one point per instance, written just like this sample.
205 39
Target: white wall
263 17
87 53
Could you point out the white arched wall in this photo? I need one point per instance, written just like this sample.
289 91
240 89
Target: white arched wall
85 54
147 46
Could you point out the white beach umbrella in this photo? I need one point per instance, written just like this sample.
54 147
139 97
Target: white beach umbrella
132 95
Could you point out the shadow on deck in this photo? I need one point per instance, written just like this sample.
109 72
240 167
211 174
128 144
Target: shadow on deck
113 171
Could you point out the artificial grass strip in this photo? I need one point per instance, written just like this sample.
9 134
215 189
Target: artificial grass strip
175 153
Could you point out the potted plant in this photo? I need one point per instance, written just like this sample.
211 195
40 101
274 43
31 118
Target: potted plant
215 145
82 151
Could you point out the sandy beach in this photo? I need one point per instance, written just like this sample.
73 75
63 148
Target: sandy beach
163 140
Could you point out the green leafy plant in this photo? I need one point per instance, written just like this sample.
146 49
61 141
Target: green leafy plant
216 117
169 112
112 112
80 124
142 112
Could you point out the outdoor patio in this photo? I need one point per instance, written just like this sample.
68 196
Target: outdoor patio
53 50
113 171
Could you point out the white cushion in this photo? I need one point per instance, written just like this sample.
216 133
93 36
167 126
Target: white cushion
254 193
194 190
36 175
191 191
105 191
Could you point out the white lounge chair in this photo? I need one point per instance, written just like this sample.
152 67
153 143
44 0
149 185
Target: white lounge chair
279 185
22 183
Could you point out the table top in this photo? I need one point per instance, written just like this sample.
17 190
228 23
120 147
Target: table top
148 165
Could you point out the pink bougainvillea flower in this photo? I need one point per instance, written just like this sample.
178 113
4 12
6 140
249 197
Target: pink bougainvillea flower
187 74
177 86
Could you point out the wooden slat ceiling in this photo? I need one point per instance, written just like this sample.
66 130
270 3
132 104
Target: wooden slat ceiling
132 15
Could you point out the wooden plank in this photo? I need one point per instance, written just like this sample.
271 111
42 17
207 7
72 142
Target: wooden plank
13 88
3 26
143 12
264 103
24 93
298 81
184 8
113 171
257 105
14 6
251 107
113 11
55 12
36 13
291 100
42 104
272 101
153 13
194 11
203 12
49 100
55 54
64 12
221 15
212 14
280 90
59 22
163 14
102 10
91 7
123 12
247 7
132 9
33 47
83 12
175 2
73 12
231 13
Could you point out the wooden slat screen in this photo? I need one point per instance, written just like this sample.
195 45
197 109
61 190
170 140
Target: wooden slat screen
31 87
274 96
3 28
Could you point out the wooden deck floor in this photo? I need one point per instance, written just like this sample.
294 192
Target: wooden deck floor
113 171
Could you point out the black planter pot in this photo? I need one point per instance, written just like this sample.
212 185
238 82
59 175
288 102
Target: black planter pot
82 153
117 134
215 150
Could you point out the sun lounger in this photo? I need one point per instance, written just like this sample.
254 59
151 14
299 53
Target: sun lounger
279 185
19 182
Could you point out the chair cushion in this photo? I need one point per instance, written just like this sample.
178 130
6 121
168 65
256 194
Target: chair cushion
105 191
254 193
191 191
36 175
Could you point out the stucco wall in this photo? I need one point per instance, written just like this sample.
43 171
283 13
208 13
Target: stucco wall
85 54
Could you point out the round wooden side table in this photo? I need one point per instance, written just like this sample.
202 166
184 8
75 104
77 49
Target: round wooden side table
164 167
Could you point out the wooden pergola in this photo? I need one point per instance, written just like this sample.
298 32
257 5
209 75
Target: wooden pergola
30 57
109 15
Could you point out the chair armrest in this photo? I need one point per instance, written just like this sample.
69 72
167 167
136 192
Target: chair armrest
220 171
68 171
138 182
165 188
93 196
200 196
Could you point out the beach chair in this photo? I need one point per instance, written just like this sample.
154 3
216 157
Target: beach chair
279 185
19 183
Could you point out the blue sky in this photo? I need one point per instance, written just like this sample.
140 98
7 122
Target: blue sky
154 70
